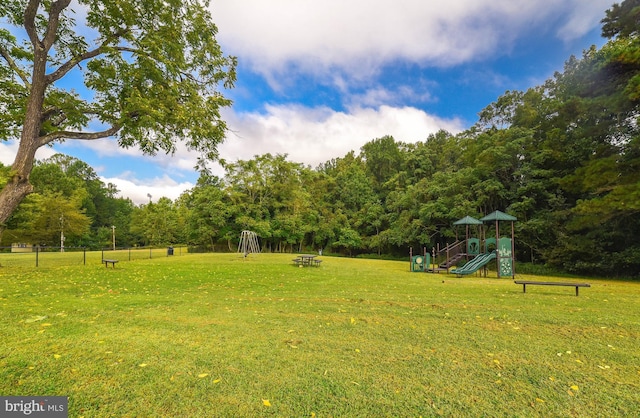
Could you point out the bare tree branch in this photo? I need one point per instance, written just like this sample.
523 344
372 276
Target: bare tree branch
67 66
88 136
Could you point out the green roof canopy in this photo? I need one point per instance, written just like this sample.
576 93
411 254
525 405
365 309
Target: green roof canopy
498 216
467 220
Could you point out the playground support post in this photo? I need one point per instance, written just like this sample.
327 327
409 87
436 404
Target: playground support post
433 258
513 252
447 259
410 258
497 248
424 254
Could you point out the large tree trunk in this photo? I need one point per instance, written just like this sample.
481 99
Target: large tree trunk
18 186
11 196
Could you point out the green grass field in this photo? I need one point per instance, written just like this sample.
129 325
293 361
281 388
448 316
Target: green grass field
218 335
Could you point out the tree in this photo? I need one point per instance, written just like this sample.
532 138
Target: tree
60 218
349 239
383 159
48 217
622 19
268 196
154 69
157 223
208 211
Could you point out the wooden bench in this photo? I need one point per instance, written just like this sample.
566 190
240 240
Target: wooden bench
297 261
113 262
524 284
317 262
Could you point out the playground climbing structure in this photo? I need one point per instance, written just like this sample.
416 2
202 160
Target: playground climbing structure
503 252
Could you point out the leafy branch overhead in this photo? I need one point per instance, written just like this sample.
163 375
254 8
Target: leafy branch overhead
154 69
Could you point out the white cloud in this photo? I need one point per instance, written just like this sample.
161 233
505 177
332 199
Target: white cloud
138 189
357 36
181 159
8 152
379 96
9 149
316 135
307 135
585 17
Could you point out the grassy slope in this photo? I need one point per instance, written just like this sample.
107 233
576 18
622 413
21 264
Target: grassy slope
205 335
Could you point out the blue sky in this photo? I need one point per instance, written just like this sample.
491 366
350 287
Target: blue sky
318 78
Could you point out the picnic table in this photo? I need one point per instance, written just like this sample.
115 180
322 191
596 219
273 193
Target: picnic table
306 260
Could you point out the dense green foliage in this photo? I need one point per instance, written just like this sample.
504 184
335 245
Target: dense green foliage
69 197
563 157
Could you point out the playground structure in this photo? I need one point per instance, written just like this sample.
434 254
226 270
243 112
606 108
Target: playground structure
477 252
420 262
248 243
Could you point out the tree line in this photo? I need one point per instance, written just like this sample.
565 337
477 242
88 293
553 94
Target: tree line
563 157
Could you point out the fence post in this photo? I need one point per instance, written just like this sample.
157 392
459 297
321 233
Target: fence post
37 252
84 255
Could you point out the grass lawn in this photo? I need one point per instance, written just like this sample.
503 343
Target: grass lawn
218 335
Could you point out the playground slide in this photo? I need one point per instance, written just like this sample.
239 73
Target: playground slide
475 264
